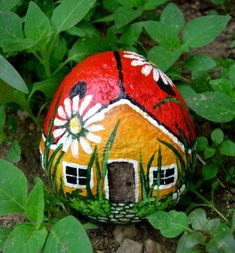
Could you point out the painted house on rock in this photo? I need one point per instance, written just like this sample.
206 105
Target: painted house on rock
118 130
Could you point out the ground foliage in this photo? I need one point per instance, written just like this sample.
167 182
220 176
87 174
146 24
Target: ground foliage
43 40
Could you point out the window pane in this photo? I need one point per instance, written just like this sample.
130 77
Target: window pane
71 180
155 174
82 181
71 171
169 180
170 172
82 172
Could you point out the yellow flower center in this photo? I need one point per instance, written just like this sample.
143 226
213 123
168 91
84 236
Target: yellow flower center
75 125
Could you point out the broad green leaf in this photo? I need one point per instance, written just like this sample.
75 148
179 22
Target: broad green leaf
209 152
217 136
14 152
83 29
202 143
110 5
223 85
233 222
68 13
13 189
25 238
86 47
131 34
9 95
187 242
197 63
9 75
228 148
221 242
129 3
2 117
152 4
172 16
4 232
198 219
35 204
164 34
18 45
37 25
7 5
203 30
212 105
60 50
232 73
124 15
163 57
170 224
209 171
10 27
68 235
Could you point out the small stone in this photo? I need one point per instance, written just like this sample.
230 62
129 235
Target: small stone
130 246
152 247
122 232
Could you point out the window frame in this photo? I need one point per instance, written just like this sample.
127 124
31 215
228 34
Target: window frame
77 166
164 186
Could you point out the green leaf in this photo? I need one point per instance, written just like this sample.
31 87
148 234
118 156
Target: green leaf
124 15
232 73
202 143
212 105
35 204
198 219
69 13
209 171
131 34
86 47
7 5
163 57
25 239
9 75
152 4
203 30
10 27
188 242
2 117
18 45
13 189
83 29
4 233
170 224
68 235
37 25
129 3
14 152
164 34
228 148
209 152
172 16
217 136
223 85
197 63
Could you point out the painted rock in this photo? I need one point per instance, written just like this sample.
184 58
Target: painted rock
118 141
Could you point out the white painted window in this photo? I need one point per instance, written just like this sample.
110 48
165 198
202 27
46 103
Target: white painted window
75 175
168 176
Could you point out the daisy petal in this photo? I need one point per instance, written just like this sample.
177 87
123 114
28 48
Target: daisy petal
85 103
169 81
58 132
67 143
61 112
138 62
75 104
92 111
85 145
95 118
163 77
63 139
93 138
155 74
131 56
95 128
67 106
146 69
74 147
59 122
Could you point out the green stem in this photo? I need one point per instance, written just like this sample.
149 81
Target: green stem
62 65
210 205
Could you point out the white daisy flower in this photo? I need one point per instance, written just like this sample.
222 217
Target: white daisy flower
74 127
139 60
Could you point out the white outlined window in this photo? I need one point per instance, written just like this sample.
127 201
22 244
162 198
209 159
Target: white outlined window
168 176
75 175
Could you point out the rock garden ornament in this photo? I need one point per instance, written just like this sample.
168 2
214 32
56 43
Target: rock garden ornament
118 141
